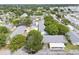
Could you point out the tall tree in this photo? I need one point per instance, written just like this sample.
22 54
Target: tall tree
2 40
62 29
34 41
3 29
26 21
52 29
17 42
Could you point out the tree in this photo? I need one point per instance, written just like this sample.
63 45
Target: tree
48 18
26 21
61 10
52 29
47 23
2 40
3 29
38 13
17 11
34 41
58 15
16 22
69 9
62 29
17 42
53 12
66 22
55 9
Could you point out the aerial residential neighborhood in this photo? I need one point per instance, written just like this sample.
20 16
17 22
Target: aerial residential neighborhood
39 29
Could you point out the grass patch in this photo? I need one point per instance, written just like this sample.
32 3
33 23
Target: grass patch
71 47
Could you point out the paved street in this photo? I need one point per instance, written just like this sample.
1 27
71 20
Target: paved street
46 51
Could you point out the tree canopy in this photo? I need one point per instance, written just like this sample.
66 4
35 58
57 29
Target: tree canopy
66 22
34 41
17 42
55 9
3 29
63 29
52 27
2 40
16 22
26 21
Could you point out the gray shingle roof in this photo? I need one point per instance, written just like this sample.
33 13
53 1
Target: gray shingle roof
74 37
19 30
54 39
41 25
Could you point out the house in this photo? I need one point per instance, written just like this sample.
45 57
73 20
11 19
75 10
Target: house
19 30
38 24
54 41
10 15
9 26
74 37
35 22
34 25
41 27
3 18
70 27
72 20
24 15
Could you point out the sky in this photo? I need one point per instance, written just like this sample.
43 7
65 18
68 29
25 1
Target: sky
39 1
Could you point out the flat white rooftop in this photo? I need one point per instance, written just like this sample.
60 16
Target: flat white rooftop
56 45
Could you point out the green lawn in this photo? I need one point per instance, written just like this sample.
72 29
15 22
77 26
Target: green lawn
71 47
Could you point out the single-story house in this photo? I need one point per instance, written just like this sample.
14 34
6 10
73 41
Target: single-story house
3 18
41 27
19 30
24 15
54 41
74 37
10 15
72 20
70 27
9 26
34 25
34 28
36 17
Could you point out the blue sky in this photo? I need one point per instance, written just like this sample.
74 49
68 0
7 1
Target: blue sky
39 1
